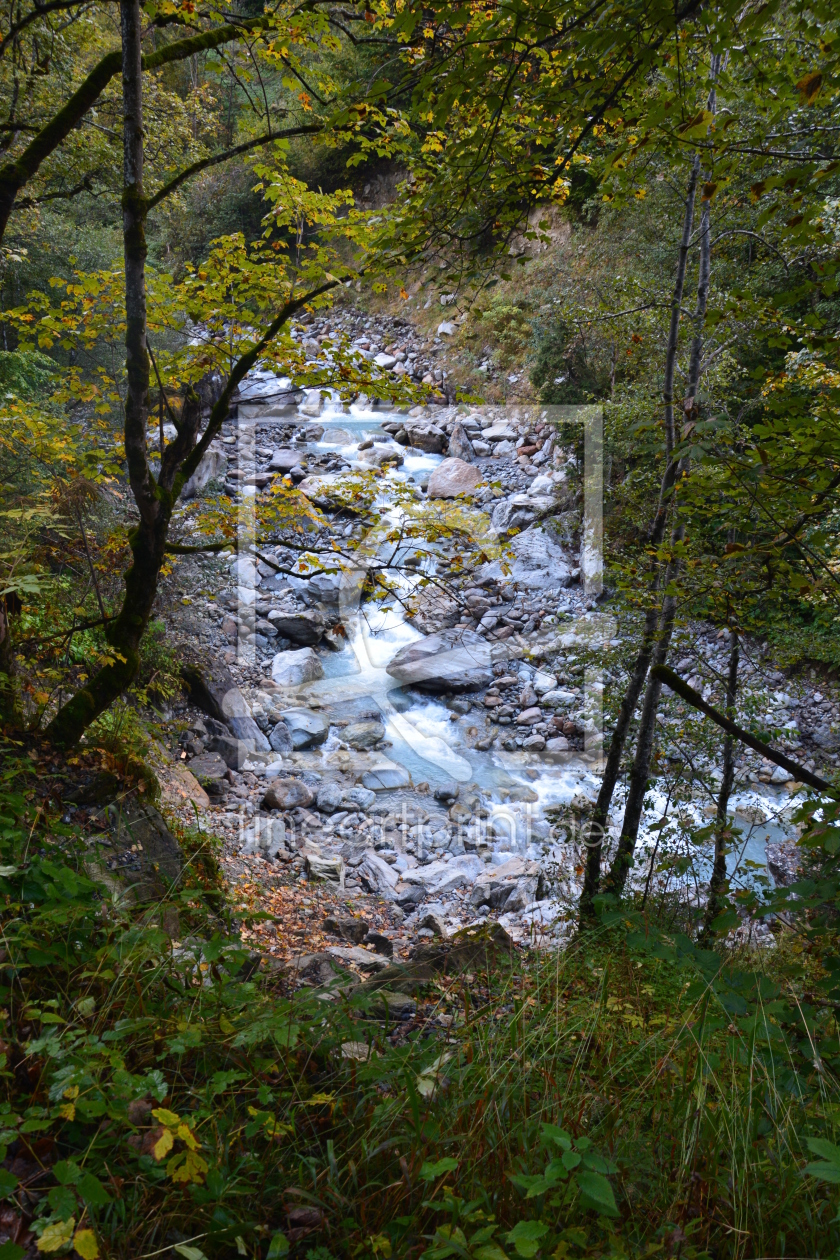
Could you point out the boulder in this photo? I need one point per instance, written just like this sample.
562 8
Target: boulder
321 970
539 561
336 437
452 660
328 868
434 923
306 729
296 667
380 456
305 626
285 460
453 477
287 794
426 437
211 771
445 328
448 792
267 836
329 797
377 875
353 956
139 857
363 735
386 778
212 688
179 786
382 944
213 467
280 739
460 445
234 752
349 929
500 433
508 516
358 798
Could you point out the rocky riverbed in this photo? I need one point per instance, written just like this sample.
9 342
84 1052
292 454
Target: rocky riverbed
420 761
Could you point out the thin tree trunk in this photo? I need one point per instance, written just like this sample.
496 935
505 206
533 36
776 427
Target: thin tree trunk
717 883
597 823
640 771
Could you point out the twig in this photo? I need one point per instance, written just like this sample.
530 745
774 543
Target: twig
90 565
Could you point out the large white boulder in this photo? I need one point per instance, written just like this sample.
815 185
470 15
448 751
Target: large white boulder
296 667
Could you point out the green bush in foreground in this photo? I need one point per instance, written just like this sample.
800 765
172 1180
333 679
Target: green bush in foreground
632 1096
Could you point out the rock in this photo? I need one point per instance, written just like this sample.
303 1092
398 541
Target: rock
453 477
280 739
377 874
336 437
460 445
508 516
780 775
267 836
380 456
348 929
558 743
321 970
358 1050
311 406
534 743
445 328
306 729
213 690
426 437
211 771
558 699
540 561
543 683
322 867
386 778
500 433
452 660
234 752
296 667
434 923
287 794
179 786
382 944
407 896
384 361
305 626
357 957
213 467
328 798
470 949
285 460
358 798
141 859
528 717
387 1004
448 791
363 735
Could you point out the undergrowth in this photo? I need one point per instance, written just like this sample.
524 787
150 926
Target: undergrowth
632 1096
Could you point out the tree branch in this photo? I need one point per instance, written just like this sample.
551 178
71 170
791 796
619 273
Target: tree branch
204 163
692 697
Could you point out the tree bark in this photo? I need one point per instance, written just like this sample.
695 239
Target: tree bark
717 883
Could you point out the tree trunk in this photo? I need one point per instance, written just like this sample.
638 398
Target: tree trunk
147 540
717 883
597 823
640 771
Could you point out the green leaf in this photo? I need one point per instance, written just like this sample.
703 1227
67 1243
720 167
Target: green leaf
598 1193
430 1171
824 1148
490 1251
824 1172
11 1251
526 1236
279 1246
8 1182
93 1192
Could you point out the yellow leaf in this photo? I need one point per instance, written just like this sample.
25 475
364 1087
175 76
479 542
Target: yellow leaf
809 87
67 1111
317 1100
166 1117
57 1236
163 1145
226 1026
84 1241
186 1167
71 1092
